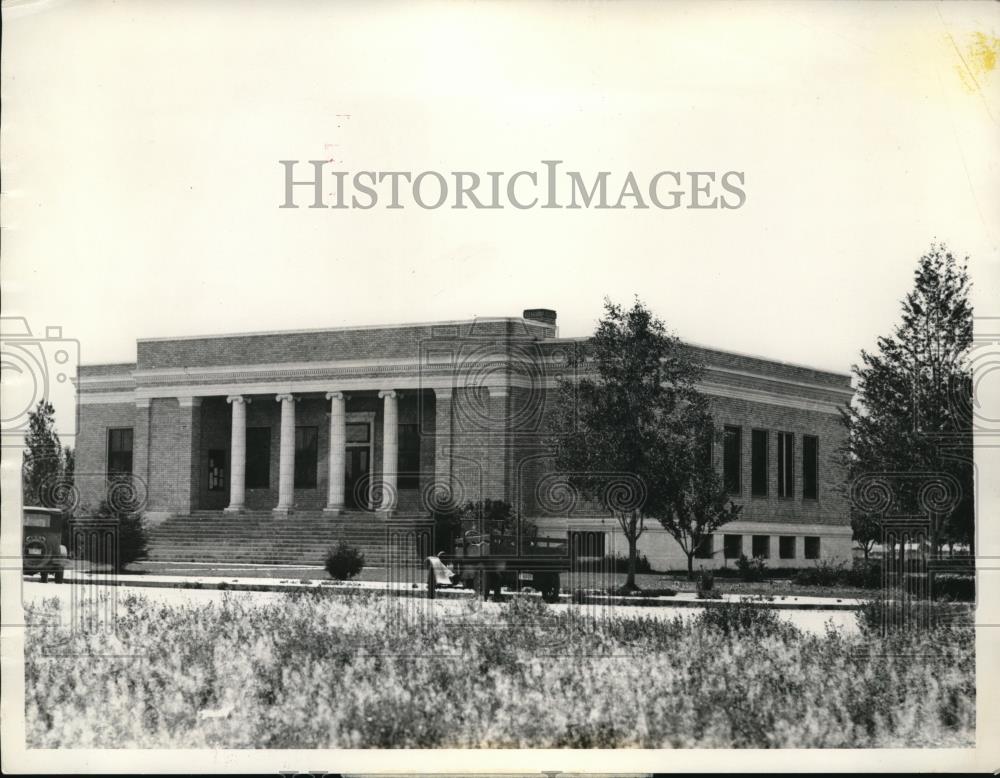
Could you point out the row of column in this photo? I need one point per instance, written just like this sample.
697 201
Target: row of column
337 458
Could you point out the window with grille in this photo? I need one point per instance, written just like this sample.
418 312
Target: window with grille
786 464
216 470
120 451
758 463
810 467
306 457
731 459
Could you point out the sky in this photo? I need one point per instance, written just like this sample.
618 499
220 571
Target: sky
141 141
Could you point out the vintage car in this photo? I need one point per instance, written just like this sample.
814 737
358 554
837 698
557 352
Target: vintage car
43 549
489 559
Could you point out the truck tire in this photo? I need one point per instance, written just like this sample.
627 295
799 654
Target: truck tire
44 576
431 583
550 588
59 576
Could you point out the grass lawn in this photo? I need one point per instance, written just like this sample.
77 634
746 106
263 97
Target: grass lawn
308 671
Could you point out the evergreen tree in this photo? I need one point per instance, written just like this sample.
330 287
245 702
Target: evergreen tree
43 457
912 416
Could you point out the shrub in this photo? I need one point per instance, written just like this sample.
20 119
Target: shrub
958 588
751 570
742 616
617 563
825 573
865 574
129 530
706 580
344 561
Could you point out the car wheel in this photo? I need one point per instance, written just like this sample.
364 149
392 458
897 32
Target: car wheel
44 577
431 583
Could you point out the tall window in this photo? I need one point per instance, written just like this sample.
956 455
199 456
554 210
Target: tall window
732 546
762 546
120 451
758 463
258 472
786 464
306 455
810 467
812 548
216 470
786 546
409 457
731 459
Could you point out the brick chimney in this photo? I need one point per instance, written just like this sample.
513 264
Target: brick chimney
542 315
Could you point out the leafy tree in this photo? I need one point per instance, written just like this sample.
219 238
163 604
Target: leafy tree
866 530
622 432
700 503
914 398
43 458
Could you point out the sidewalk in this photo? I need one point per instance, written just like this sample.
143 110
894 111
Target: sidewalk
410 589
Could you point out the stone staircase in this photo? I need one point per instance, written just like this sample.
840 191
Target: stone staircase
298 539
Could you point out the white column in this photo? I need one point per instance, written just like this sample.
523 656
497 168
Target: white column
338 453
286 455
238 454
390 448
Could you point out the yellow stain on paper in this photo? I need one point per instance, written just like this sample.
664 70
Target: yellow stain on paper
977 60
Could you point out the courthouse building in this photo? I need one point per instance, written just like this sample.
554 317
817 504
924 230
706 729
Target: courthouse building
352 427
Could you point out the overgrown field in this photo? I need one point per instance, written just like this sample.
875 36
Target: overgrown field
353 672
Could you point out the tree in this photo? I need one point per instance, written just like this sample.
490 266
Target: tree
43 458
621 432
866 530
699 504
912 420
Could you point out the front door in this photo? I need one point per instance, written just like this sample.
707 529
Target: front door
356 483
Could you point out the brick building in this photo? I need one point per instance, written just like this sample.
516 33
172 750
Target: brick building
352 425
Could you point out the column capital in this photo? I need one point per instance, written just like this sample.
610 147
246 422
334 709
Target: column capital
287 397
238 398
189 402
334 395
390 393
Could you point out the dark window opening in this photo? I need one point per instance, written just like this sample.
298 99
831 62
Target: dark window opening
409 457
786 464
358 432
704 549
786 547
812 548
758 463
810 467
732 546
258 471
306 457
216 470
762 546
731 459
120 451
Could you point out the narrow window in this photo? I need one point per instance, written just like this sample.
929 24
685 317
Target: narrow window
731 459
306 457
812 548
810 467
704 549
786 546
732 546
120 451
409 457
258 470
758 463
786 464
762 546
216 470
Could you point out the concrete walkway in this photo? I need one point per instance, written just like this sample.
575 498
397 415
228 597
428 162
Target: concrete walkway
402 589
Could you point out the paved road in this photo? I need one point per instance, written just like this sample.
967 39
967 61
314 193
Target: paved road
34 591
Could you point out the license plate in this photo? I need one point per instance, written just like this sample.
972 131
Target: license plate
35 551
525 577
